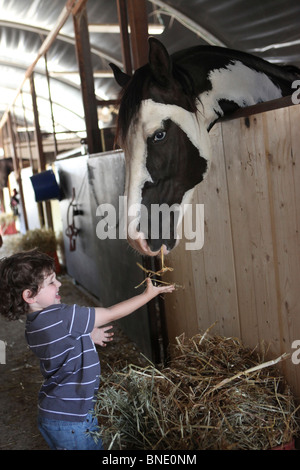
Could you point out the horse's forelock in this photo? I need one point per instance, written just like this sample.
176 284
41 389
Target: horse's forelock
130 100
135 91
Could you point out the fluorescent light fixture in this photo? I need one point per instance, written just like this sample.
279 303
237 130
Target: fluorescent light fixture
154 28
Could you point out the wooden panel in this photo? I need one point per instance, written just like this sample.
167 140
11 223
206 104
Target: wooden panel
247 274
285 199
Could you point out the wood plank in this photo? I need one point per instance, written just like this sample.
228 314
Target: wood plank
293 372
216 261
180 307
282 164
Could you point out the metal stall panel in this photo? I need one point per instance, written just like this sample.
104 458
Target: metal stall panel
106 267
82 263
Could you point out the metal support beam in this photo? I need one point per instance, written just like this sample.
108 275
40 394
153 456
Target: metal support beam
83 52
51 106
45 207
38 134
17 171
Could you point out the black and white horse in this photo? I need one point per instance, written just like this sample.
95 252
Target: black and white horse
166 111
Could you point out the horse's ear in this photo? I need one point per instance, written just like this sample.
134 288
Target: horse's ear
121 78
160 62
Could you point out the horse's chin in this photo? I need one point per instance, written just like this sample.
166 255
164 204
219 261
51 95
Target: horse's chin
142 247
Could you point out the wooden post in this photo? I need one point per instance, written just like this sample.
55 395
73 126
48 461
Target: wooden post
83 53
125 41
137 13
27 135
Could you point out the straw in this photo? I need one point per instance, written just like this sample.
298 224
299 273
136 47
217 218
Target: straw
215 394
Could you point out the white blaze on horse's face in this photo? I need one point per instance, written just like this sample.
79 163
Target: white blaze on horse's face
150 118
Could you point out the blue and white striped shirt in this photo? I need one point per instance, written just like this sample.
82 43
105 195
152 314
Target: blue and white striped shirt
60 337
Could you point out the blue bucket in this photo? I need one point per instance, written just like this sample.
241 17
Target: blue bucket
45 186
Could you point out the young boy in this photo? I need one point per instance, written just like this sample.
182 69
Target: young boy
63 338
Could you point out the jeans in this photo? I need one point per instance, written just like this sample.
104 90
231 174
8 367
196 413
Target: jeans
69 435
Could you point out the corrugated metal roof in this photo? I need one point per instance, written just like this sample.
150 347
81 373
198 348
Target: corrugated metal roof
269 29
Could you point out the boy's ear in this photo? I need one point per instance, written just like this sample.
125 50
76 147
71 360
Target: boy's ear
27 296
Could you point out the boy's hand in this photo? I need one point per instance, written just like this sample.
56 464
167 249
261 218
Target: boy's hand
153 291
101 336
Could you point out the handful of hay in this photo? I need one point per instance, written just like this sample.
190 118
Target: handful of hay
214 396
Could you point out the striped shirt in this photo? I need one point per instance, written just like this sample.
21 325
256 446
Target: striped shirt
60 337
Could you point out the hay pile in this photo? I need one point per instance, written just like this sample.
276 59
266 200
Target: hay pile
209 398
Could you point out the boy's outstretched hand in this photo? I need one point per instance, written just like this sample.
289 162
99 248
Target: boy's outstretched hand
102 336
153 291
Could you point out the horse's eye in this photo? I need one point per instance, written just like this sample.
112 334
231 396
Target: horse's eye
159 136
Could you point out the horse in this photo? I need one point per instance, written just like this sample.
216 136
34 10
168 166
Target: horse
167 108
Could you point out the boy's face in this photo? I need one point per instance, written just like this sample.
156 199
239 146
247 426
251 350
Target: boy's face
47 295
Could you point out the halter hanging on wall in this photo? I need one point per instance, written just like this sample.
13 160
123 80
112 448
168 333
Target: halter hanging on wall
72 230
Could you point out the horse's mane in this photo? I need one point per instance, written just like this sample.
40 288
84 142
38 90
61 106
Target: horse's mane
133 93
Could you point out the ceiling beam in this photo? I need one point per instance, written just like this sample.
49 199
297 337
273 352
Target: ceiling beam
43 32
188 23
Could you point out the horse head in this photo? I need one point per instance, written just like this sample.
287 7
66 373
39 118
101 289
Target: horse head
166 110
166 146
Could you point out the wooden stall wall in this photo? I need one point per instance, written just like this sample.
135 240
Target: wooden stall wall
247 275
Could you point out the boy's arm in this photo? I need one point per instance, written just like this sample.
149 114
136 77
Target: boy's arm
107 315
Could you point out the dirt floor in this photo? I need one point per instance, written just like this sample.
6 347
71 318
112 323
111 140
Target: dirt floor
20 377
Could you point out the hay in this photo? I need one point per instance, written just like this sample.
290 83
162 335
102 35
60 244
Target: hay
43 238
216 394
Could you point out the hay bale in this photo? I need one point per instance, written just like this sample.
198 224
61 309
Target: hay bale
216 394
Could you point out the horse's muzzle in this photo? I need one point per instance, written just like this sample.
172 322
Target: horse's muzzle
140 244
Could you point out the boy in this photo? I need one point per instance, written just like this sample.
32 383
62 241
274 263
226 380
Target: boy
63 338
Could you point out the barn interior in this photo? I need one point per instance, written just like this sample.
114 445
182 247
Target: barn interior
58 115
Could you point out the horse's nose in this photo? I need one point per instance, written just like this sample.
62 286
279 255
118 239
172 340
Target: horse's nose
140 244
156 245
146 247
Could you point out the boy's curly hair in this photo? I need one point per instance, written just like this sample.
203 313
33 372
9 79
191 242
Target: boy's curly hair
21 271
